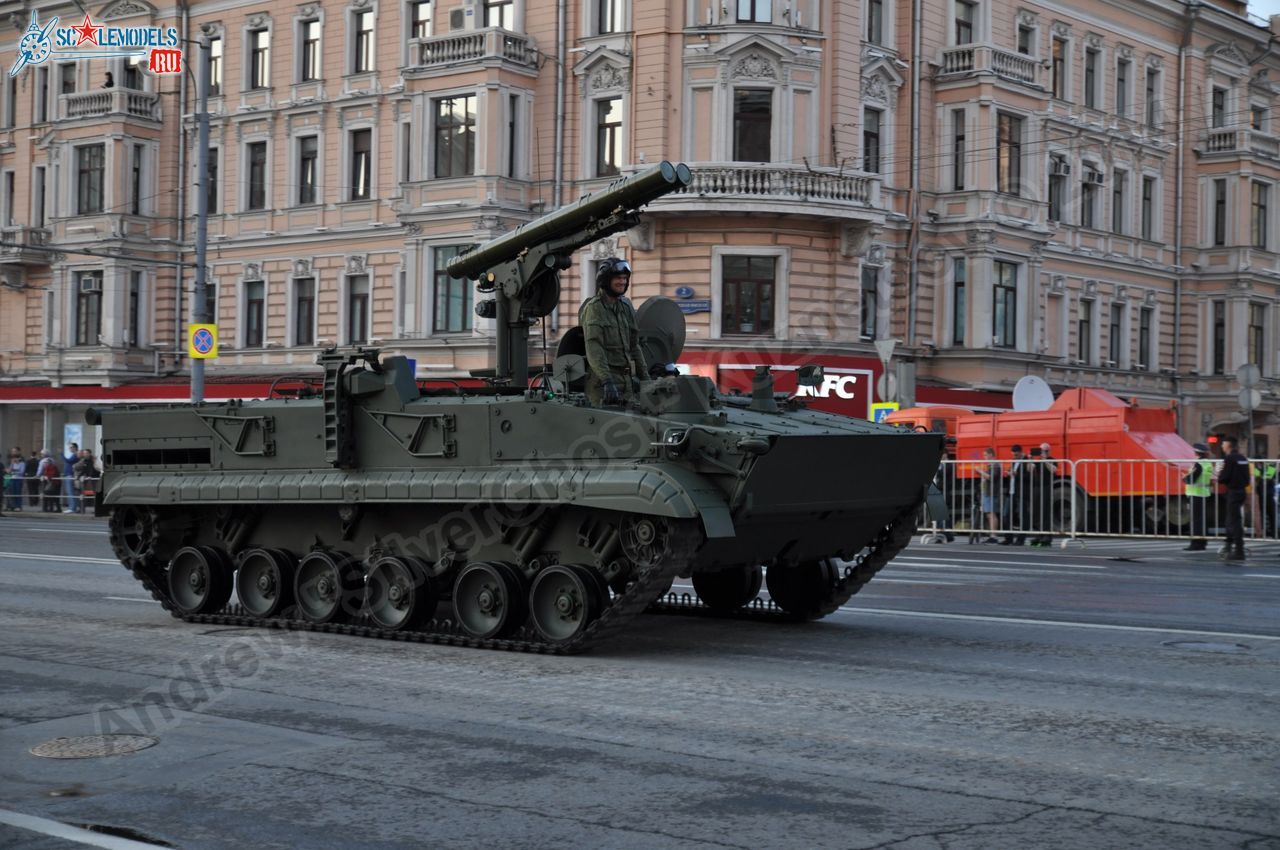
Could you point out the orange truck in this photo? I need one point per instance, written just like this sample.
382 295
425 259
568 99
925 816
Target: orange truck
1130 460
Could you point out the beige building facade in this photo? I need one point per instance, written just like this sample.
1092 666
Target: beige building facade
1086 192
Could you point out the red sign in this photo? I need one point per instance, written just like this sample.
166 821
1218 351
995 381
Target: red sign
164 61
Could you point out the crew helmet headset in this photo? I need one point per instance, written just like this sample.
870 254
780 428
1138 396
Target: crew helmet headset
609 267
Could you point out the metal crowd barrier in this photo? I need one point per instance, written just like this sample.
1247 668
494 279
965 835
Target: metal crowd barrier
1039 501
66 494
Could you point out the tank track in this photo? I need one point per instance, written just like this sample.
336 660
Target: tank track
639 595
891 540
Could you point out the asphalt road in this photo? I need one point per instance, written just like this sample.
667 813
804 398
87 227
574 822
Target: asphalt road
970 697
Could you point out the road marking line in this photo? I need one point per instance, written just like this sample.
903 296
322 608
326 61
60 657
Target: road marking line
1023 621
882 580
1260 575
969 562
74 834
32 556
131 599
908 564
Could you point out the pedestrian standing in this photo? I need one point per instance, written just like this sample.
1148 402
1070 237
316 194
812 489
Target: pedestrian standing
70 501
1235 478
1017 490
17 479
1198 485
992 491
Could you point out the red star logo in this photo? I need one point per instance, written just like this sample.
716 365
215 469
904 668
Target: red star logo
87 32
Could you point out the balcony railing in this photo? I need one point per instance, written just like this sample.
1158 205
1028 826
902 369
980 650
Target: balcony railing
1242 140
984 58
21 245
91 104
772 182
492 43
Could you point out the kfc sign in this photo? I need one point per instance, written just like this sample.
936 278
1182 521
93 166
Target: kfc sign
838 386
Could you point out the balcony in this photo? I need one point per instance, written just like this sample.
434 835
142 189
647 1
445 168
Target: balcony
21 246
487 46
972 59
1240 141
95 104
736 187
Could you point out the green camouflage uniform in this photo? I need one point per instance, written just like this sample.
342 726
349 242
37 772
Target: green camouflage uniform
613 346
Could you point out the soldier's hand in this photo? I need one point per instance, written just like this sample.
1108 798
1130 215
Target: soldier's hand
635 386
611 394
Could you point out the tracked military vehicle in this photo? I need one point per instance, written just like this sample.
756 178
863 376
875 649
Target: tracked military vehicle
516 515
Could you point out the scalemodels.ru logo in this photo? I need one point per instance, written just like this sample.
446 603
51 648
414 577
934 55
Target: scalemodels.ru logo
40 43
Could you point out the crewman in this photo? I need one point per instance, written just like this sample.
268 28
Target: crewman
608 321
1198 485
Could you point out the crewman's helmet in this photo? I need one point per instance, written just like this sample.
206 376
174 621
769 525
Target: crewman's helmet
610 267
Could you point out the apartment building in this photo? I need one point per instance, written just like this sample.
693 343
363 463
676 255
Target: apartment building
1084 192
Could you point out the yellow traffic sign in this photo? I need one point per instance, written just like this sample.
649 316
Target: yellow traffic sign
881 409
202 341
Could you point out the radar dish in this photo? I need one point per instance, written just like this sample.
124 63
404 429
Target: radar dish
661 325
569 370
1032 393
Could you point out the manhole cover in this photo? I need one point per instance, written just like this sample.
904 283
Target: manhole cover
92 746
1207 646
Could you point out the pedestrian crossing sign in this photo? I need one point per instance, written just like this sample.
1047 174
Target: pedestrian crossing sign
202 341
881 409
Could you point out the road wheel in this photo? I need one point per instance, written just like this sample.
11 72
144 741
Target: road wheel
200 580
803 590
729 589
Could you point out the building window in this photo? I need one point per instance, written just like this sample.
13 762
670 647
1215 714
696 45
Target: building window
1124 70
608 136
455 136
259 58
1004 313
1153 97
1219 337
254 313
308 160
1219 213
357 309
89 178
42 94
1091 59
1148 208
1258 117
420 19
957 149
1113 334
608 16
361 164
215 66
748 287
256 182
452 296
1257 336
1089 197
133 330
1058 68
88 307
9 199
1119 201
870 301
875 22
959 300
37 199
755 11
1008 154
304 311
135 181
10 116
1144 338
132 74
1026 40
1258 219
513 133
500 13
67 78
752 125
1059 171
1084 332
362 46
871 140
966 14
310 64
1218 113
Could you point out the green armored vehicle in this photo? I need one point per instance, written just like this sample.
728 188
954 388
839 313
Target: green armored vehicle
513 516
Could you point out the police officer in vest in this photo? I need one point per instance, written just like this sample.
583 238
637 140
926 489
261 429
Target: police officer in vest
1235 477
1199 487
1265 487
608 323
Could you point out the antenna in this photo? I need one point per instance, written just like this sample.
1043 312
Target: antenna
1032 393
